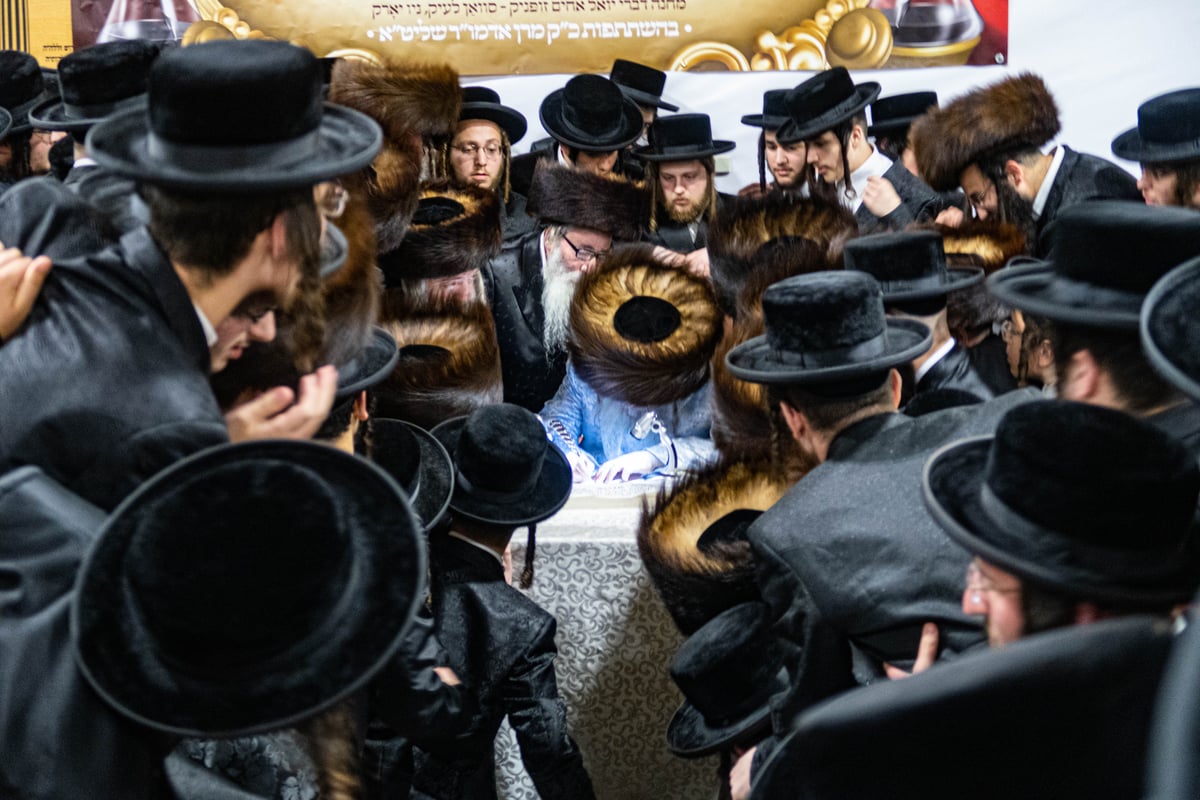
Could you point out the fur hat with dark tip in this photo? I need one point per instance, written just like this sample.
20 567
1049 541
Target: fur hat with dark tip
247 588
692 538
1081 500
449 363
745 225
727 671
453 230
642 331
351 294
982 243
22 87
414 103
96 82
1012 114
1169 323
612 204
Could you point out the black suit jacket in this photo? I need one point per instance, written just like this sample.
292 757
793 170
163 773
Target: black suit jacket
113 195
501 644
955 371
918 203
513 281
1082 177
851 554
107 382
675 235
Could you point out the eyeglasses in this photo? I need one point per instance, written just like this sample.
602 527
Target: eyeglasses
470 150
984 198
585 253
332 198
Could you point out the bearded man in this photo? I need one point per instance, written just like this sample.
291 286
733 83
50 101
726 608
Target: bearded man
531 283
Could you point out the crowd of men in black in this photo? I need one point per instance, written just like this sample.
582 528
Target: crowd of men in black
274 336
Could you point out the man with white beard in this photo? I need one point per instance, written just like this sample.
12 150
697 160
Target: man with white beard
531 283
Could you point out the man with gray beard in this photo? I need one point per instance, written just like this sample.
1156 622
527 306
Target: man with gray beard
531 283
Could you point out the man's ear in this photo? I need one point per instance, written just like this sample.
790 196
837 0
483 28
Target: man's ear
1080 380
278 234
896 384
1015 174
360 407
796 421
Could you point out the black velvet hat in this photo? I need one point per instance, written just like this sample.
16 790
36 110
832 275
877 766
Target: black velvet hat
480 102
774 111
1086 501
369 368
727 672
22 87
247 588
5 123
591 114
909 266
418 462
1104 257
454 230
1169 321
97 82
641 84
826 328
1168 129
642 331
823 102
236 116
506 472
893 115
682 137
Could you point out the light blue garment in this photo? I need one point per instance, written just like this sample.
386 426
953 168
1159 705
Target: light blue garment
605 425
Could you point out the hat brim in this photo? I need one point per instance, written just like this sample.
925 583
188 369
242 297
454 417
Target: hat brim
1132 147
690 736
347 142
541 501
5 123
117 654
864 94
956 278
20 113
764 121
951 483
626 133
511 121
436 483
1169 326
1039 289
684 152
53 116
334 251
646 99
755 361
371 368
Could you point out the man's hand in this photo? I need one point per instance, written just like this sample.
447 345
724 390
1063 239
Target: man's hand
951 217
739 775
583 466
696 262
926 654
628 466
447 676
21 278
272 414
880 196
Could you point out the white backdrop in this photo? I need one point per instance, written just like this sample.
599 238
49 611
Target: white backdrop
1101 58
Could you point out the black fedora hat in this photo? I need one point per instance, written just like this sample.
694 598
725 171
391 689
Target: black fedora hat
1170 327
727 672
774 111
369 368
236 116
97 82
23 87
822 102
1105 255
591 114
480 102
247 588
418 462
682 137
909 266
1168 129
5 122
1083 500
894 114
641 84
506 472
826 328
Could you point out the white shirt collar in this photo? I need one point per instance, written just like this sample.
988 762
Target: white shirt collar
487 550
210 333
876 164
1039 202
558 148
85 161
934 357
